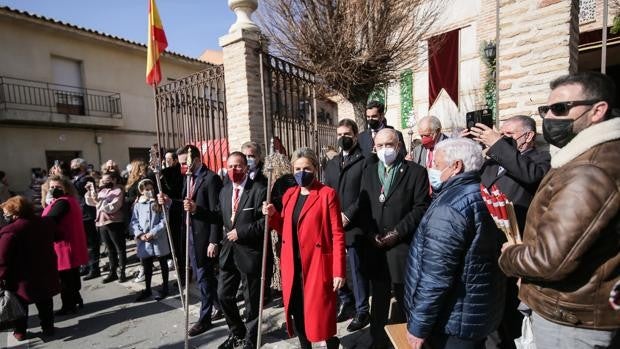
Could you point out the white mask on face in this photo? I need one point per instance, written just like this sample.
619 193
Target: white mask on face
387 155
252 164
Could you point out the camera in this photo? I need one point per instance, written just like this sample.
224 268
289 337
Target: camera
483 116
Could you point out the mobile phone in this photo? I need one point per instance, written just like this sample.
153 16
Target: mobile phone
483 116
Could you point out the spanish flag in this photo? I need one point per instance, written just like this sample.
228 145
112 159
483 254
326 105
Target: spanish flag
156 45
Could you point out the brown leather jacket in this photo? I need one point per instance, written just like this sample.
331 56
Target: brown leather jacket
570 256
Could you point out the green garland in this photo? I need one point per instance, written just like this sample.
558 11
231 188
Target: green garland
489 83
615 27
406 97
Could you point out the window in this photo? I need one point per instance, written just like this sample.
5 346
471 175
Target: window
67 85
141 154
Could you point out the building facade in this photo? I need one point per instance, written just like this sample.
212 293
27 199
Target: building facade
67 91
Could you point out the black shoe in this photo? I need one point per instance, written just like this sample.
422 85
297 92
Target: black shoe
345 312
198 328
66 311
360 321
48 331
111 277
106 267
332 343
216 314
231 342
161 295
84 270
94 273
123 277
80 303
143 295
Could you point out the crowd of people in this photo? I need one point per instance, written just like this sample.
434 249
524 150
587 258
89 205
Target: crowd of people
377 222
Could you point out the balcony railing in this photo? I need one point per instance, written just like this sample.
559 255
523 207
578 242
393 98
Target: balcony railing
37 96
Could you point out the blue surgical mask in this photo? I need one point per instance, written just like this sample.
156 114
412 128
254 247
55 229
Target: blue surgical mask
252 164
434 177
304 178
387 155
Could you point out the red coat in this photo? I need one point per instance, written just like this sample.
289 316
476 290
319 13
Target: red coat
27 260
70 240
322 249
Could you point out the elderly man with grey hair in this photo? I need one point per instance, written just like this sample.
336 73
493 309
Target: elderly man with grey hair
394 195
429 129
254 155
454 288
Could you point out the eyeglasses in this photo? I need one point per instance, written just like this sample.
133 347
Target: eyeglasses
562 108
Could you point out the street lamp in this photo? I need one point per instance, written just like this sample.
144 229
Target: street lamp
490 51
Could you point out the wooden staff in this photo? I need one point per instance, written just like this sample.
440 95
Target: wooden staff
154 158
188 189
266 237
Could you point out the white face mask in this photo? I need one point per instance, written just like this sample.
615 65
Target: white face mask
387 155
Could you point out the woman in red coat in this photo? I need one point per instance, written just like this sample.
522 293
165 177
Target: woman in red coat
28 263
313 254
69 243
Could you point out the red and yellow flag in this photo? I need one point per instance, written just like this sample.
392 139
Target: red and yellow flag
156 45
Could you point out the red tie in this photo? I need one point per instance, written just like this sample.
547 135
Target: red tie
429 161
235 203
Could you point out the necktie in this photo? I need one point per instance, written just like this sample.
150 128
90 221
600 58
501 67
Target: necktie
235 203
429 159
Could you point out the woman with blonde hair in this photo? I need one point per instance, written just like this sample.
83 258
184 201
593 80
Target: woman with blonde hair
313 254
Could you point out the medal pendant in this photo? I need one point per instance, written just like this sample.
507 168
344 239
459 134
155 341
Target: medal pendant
382 198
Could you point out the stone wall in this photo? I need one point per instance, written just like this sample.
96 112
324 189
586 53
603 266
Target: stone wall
538 42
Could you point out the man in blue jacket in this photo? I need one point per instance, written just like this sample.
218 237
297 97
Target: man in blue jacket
454 289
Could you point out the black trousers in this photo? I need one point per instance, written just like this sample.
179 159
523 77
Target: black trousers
177 230
510 327
380 308
46 315
113 235
93 241
296 309
444 341
228 284
70 285
147 263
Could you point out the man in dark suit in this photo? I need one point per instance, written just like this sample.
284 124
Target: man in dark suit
375 117
254 155
241 202
172 185
393 198
516 167
429 129
201 201
344 174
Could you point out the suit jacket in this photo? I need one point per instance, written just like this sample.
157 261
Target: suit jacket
346 178
367 143
249 221
402 211
206 227
420 153
521 175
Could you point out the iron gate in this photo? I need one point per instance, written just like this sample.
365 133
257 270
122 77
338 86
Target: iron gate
192 110
291 105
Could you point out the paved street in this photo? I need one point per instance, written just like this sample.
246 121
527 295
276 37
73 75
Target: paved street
110 319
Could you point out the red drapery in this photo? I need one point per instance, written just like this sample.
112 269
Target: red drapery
443 65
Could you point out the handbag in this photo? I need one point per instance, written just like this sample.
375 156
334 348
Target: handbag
526 341
11 308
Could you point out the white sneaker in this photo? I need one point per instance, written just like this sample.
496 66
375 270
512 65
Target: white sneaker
140 277
170 265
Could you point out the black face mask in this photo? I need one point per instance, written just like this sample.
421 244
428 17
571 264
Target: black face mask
374 123
57 192
558 132
108 185
345 143
75 171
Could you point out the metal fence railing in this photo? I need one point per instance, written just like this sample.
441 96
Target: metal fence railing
22 94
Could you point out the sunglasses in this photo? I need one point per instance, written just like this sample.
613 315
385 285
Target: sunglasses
562 108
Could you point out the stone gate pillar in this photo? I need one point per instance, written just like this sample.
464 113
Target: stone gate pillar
538 42
242 77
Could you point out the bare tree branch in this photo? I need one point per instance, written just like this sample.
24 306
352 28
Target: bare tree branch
352 45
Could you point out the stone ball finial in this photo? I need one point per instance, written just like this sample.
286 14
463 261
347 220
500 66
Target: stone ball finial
243 9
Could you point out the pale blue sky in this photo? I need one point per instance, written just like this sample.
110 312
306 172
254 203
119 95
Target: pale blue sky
191 25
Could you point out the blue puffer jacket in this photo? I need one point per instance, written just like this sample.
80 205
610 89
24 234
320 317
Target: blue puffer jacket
146 220
453 284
